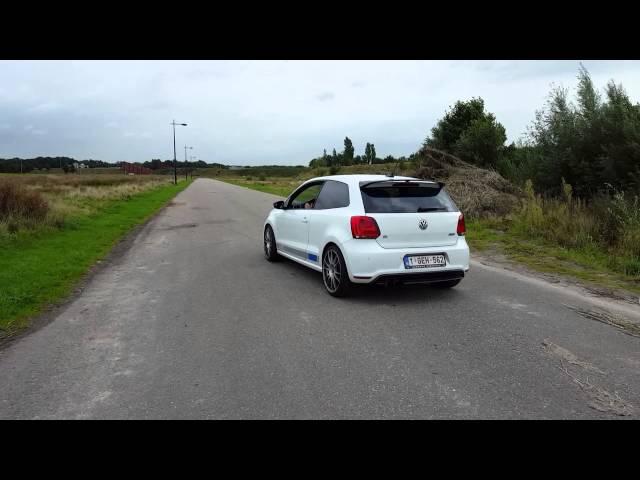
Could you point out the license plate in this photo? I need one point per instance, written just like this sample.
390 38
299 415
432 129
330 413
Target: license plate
424 261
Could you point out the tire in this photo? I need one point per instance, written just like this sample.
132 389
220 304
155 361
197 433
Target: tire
447 284
270 249
334 273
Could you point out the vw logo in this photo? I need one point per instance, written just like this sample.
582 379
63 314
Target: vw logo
423 224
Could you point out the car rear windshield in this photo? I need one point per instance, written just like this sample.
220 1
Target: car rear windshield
405 197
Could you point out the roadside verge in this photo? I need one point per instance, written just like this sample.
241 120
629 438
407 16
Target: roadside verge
38 272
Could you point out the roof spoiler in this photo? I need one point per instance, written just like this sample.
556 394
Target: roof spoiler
407 180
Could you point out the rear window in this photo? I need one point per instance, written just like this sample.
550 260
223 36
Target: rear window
406 197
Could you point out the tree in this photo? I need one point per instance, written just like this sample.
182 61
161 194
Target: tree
455 121
482 142
348 151
589 144
335 160
369 153
470 133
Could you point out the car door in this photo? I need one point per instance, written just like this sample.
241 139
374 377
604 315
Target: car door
293 223
331 206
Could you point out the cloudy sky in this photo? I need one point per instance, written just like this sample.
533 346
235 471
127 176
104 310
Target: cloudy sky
263 112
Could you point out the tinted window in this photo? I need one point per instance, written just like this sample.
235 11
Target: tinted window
308 195
333 195
395 197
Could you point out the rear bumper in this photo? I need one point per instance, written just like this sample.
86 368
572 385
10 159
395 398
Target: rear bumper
420 277
368 262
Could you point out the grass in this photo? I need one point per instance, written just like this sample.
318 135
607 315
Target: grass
587 264
41 264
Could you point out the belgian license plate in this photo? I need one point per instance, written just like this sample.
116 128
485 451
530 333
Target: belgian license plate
424 261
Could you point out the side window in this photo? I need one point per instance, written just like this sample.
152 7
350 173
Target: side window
333 195
305 198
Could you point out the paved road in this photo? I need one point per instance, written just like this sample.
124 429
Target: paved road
192 322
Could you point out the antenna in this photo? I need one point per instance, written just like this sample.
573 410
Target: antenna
393 172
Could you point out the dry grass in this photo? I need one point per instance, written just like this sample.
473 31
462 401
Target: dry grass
30 202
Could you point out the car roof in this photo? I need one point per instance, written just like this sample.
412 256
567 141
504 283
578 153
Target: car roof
356 178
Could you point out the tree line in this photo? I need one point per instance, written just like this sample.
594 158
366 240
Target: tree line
13 165
592 143
26 165
347 157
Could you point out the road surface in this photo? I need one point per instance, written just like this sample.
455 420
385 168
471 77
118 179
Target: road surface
190 321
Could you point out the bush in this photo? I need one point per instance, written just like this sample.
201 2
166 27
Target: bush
18 203
334 170
262 178
610 223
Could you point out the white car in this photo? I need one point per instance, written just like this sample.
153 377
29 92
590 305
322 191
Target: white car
367 229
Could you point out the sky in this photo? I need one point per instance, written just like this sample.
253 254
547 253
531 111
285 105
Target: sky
264 112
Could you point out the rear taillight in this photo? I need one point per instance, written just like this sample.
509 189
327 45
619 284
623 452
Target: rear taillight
364 227
462 229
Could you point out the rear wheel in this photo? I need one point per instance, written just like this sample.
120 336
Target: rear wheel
334 272
448 283
270 250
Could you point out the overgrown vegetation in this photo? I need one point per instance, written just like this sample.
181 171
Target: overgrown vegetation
36 202
54 227
609 224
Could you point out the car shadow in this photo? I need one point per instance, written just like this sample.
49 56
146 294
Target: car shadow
375 293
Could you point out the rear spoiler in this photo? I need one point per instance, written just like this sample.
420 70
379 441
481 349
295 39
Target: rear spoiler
399 182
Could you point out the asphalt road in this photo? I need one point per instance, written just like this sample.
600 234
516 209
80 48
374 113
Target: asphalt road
190 321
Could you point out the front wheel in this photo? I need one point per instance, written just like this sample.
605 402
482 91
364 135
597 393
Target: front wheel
334 272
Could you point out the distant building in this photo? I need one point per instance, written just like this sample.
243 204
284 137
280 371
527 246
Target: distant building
133 169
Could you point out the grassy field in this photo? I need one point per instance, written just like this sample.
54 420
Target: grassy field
71 222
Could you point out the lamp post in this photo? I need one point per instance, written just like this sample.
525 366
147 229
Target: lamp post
175 160
186 166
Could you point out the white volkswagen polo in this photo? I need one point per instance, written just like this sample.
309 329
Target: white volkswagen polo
366 229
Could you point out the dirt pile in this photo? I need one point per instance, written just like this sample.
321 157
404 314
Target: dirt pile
478 192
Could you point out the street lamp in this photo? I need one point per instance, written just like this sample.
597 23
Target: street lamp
175 160
186 166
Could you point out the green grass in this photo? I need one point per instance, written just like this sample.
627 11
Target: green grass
590 265
42 267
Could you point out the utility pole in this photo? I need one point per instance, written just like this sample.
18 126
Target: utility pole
175 160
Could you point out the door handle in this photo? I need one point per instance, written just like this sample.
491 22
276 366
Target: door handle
304 220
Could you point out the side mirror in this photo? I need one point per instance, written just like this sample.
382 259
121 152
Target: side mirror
279 205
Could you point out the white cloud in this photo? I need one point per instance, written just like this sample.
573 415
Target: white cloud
45 107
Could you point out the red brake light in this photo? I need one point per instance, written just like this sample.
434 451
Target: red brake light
462 229
364 227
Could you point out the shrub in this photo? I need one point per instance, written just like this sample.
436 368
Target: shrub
16 202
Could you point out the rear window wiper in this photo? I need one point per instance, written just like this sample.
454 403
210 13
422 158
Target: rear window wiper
431 209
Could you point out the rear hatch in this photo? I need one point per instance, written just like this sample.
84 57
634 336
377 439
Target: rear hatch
411 213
